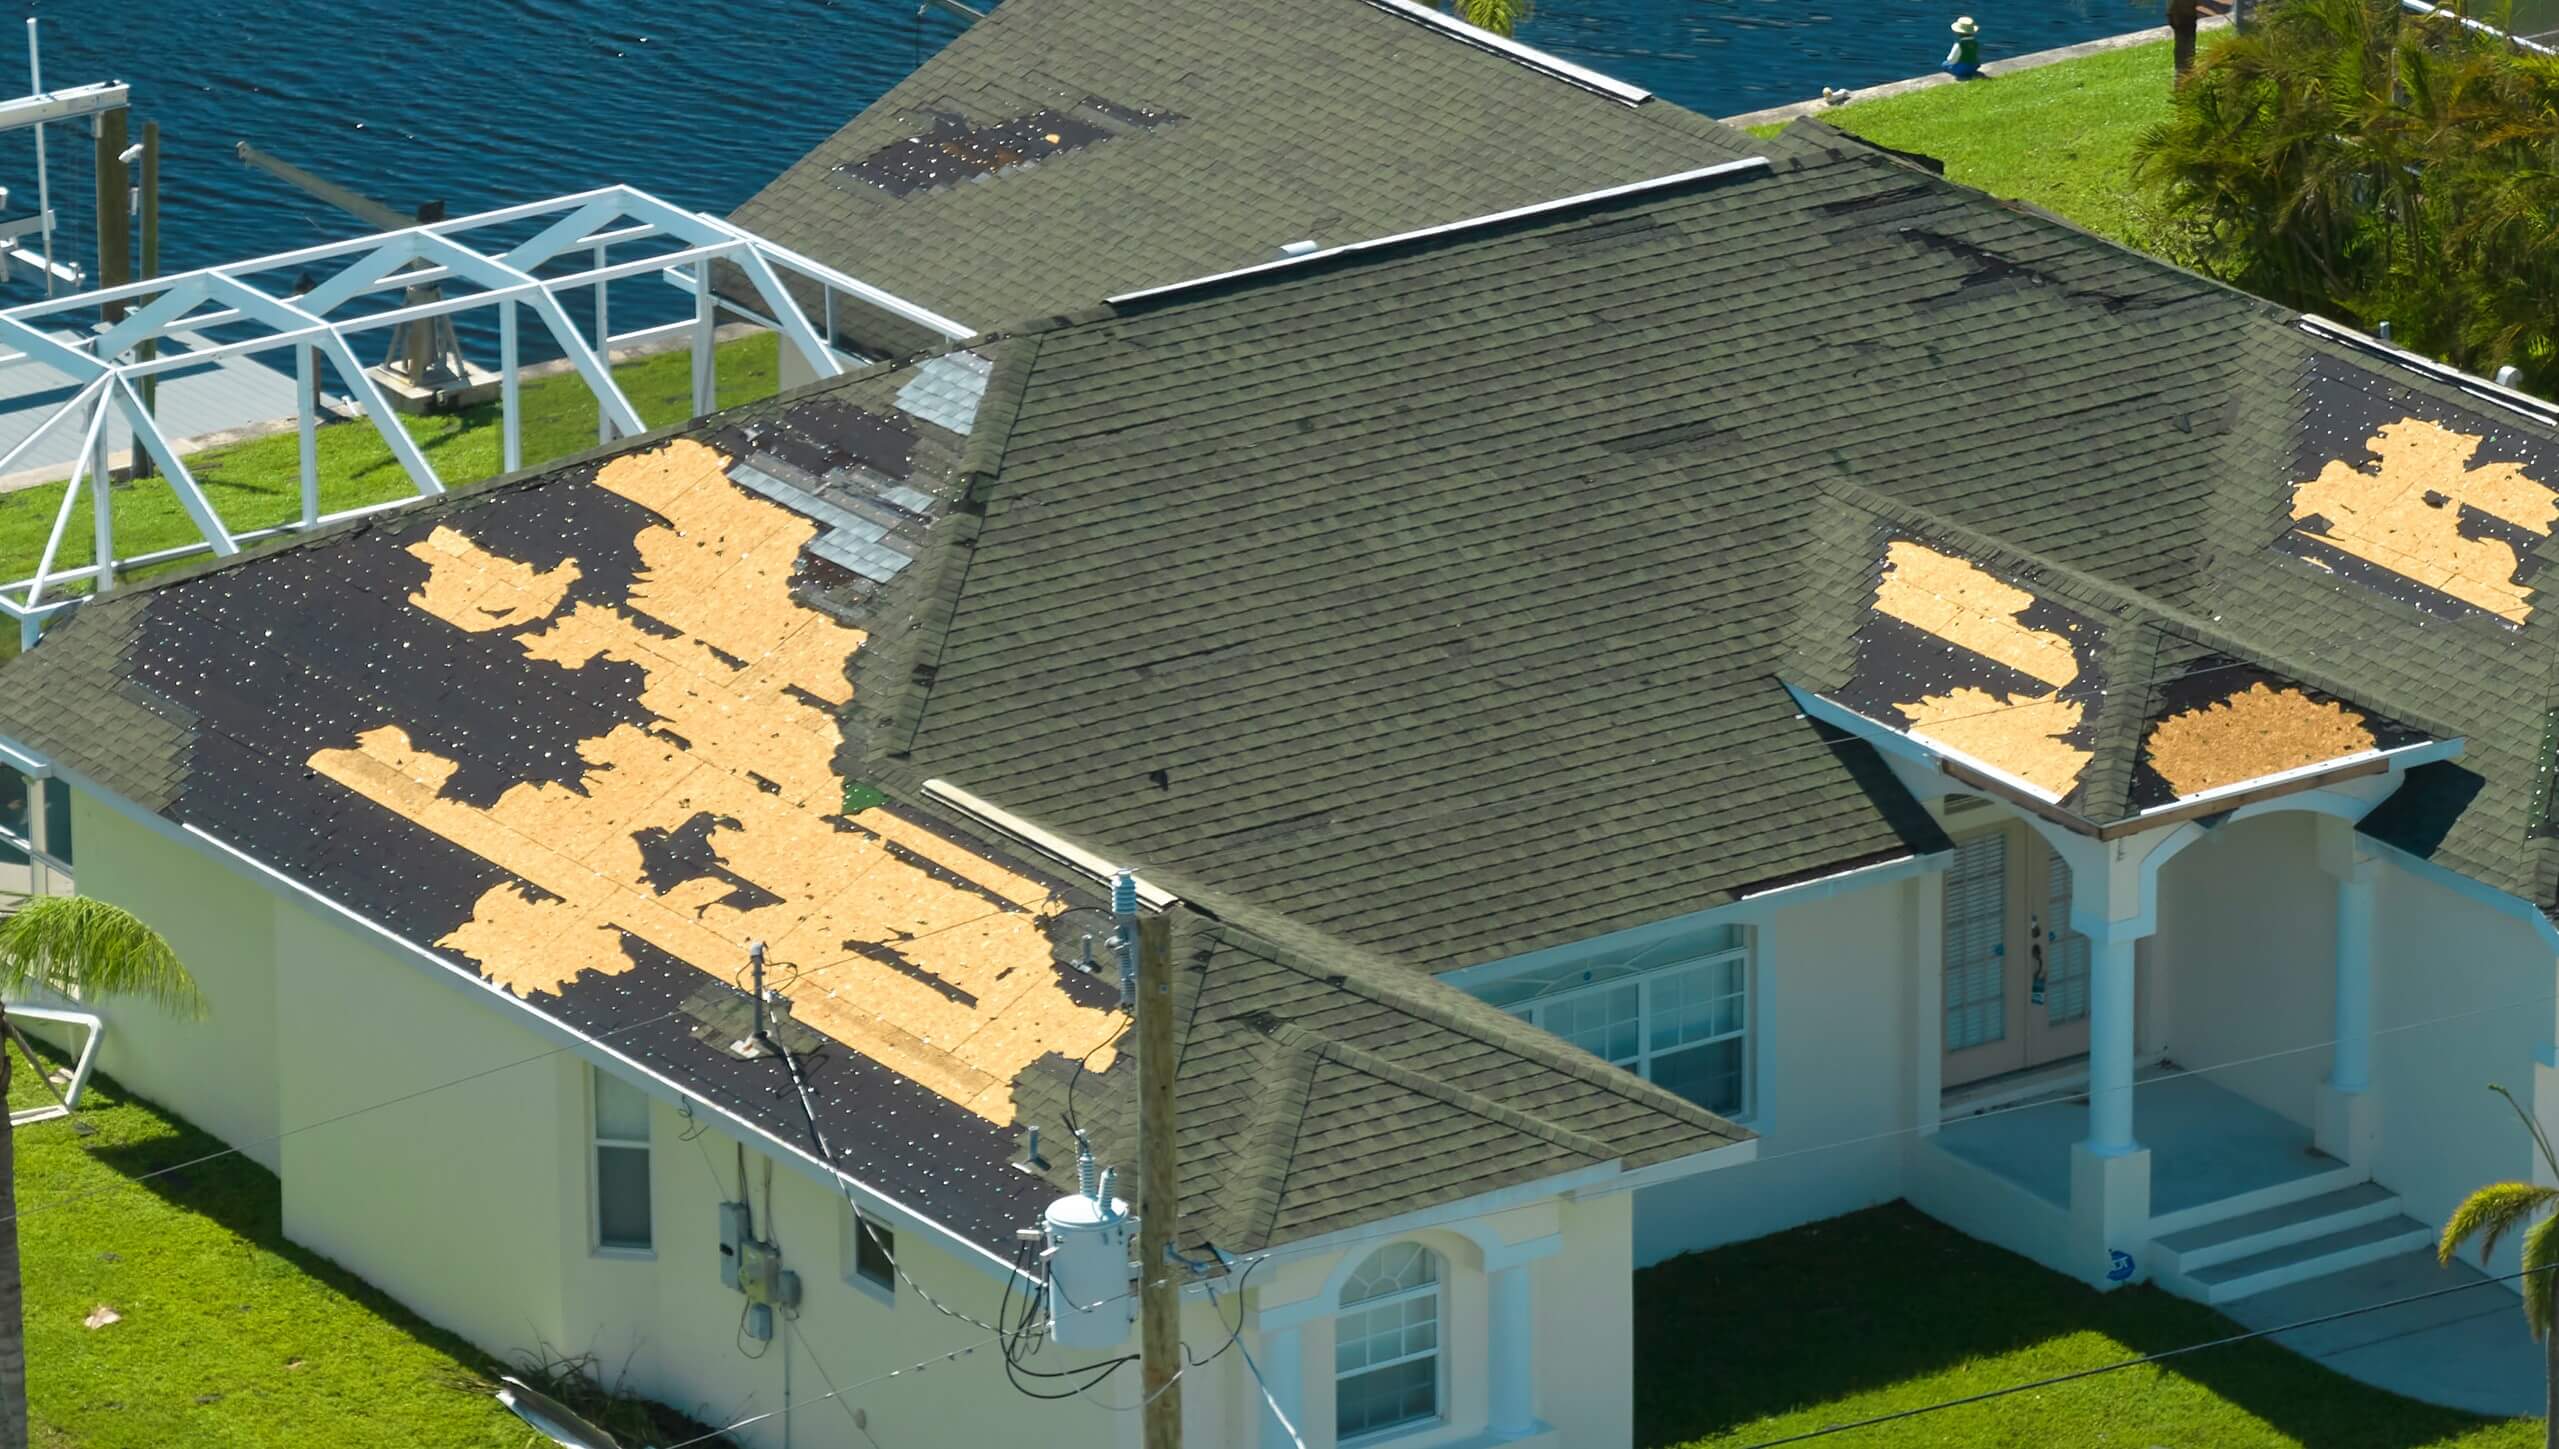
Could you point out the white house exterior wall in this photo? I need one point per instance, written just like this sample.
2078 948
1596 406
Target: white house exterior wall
1834 1030
214 1072
469 1202
2243 977
2463 996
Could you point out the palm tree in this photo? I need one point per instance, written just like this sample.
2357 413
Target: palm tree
78 947
2184 18
1501 17
2488 1214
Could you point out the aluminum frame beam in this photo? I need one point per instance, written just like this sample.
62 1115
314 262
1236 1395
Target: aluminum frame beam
590 223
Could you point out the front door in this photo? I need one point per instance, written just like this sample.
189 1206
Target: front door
2016 976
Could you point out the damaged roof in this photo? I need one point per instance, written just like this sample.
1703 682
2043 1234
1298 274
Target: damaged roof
1463 630
578 735
1061 151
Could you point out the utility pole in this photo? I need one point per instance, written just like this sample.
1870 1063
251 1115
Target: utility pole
1159 1288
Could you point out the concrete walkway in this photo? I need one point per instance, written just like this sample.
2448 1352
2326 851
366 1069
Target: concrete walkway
2010 66
2467 1350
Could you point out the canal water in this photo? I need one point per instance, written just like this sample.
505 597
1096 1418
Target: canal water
479 103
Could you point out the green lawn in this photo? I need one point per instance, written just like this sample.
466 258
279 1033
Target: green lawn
258 483
2060 136
1887 1309
228 1335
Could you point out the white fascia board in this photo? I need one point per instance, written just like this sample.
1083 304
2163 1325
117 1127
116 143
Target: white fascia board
1527 55
1713 1159
2399 760
591 1049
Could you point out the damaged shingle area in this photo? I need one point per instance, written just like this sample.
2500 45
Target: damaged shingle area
951 149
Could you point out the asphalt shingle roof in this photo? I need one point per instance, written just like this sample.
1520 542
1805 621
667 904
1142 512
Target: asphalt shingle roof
1447 596
560 730
1193 136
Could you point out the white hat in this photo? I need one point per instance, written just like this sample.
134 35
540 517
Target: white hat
1964 26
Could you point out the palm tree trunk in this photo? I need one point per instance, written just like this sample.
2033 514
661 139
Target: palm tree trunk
2182 20
13 1326
2549 1379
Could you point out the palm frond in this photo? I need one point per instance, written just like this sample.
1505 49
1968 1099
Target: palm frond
2540 1139
1501 17
88 948
2540 1267
2490 1213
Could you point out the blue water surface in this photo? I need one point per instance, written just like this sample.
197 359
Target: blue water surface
480 104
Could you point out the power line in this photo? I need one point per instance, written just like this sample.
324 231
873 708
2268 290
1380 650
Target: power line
2148 1358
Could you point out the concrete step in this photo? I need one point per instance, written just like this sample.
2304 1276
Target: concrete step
2300 1261
2247 1234
2326 1175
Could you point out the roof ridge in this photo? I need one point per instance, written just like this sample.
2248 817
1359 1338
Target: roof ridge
1361 1059
1464 226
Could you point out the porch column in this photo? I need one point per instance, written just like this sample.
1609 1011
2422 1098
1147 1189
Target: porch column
2110 1169
2351 1069
1283 1366
2110 1043
1514 1354
2348 1125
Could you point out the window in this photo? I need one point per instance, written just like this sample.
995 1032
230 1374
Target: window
621 1164
872 1251
1386 1343
1677 1012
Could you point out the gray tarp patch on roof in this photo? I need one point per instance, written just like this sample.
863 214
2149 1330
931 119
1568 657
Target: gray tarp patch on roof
946 390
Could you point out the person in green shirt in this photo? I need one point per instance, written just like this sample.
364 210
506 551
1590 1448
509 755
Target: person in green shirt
1964 61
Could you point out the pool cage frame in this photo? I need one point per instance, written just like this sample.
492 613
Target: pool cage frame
172 311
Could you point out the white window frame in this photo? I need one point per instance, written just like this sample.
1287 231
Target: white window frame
597 1143
1534 1010
855 1221
1435 1290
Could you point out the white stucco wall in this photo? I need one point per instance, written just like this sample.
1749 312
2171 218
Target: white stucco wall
1832 1064
2462 997
2243 975
216 1072
435 1143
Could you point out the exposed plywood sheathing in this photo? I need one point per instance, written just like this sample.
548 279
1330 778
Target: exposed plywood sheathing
912 950
2405 514
1965 606
2262 731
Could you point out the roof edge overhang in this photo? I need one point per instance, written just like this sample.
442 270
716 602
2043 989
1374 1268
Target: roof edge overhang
1527 55
566 1038
1023 831
1989 779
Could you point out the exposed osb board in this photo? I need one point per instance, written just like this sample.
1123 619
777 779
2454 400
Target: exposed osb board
2427 510
1988 644
2260 731
712 823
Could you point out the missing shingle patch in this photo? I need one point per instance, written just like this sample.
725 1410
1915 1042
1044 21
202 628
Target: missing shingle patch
2430 512
951 150
1996 715
2260 731
703 813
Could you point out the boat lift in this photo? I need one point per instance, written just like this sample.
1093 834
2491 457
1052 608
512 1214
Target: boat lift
316 316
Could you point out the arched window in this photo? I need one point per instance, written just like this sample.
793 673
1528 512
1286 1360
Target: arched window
1386 1342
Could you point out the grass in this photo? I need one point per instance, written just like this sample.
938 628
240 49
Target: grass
2060 136
1887 1310
258 483
228 1335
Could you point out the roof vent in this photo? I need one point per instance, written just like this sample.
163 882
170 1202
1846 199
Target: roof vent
2510 376
1300 249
